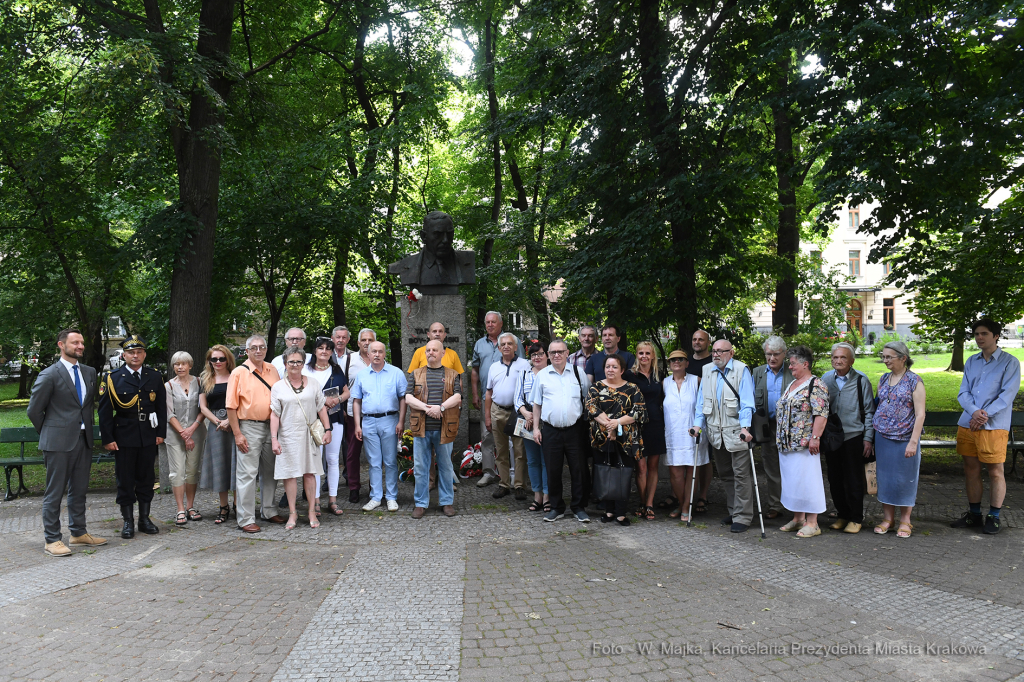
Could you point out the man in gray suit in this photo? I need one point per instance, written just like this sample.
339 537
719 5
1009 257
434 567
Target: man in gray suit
770 380
61 410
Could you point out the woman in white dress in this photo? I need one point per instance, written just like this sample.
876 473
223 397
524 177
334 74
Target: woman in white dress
801 413
680 398
294 403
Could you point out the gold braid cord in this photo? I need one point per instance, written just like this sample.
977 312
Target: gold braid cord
115 399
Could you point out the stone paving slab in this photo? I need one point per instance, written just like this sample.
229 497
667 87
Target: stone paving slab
395 614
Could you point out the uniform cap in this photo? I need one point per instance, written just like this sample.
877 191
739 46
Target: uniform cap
132 342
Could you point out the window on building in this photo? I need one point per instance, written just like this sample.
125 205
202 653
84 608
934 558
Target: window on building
854 218
855 263
886 268
889 313
816 259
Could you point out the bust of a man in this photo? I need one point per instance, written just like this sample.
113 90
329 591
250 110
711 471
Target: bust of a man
437 268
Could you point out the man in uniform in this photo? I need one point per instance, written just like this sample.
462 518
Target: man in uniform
133 422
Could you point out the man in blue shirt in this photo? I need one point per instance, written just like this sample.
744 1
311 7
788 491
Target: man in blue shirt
610 337
991 381
378 405
725 402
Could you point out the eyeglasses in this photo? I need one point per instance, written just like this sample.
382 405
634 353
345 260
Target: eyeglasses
771 355
295 362
889 357
720 352
557 352
294 339
678 360
256 349
218 360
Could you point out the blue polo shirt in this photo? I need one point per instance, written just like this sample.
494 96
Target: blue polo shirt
379 391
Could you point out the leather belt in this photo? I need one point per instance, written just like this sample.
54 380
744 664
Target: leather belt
257 421
378 415
559 428
504 407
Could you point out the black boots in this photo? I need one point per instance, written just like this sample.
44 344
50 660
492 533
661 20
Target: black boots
145 525
128 529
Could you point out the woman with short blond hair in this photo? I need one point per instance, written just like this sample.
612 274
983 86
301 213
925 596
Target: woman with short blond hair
185 439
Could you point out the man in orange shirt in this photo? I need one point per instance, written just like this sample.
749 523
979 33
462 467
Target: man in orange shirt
248 405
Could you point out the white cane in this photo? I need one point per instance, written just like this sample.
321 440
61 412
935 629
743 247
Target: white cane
757 494
693 479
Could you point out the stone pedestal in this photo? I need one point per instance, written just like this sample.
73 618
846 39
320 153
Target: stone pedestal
449 309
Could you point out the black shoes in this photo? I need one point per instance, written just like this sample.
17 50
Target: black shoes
500 492
991 525
520 494
970 520
145 525
738 528
353 496
727 521
128 529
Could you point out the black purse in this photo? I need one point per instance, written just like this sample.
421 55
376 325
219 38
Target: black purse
611 483
832 437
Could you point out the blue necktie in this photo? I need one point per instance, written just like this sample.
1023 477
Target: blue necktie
78 383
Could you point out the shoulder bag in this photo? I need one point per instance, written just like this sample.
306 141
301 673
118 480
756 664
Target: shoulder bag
610 482
832 436
316 429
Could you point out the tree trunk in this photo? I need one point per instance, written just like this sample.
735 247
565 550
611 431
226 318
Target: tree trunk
660 124
198 164
390 299
23 379
492 103
785 314
956 363
338 283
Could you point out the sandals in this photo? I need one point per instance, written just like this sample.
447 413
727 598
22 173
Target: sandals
668 502
335 509
675 513
194 515
180 519
535 506
700 506
649 513
790 527
547 507
640 512
901 533
290 525
883 527
314 521
222 515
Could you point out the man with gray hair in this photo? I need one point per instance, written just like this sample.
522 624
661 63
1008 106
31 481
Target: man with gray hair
851 397
588 346
498 409
770 379
293 337
486 352
248 405
723 411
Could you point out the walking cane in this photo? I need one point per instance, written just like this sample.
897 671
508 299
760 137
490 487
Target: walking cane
757 494
693 480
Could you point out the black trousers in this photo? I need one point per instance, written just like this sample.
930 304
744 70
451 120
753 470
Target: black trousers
560 447
135 473
846 479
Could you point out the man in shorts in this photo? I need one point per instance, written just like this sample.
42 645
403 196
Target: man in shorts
991 381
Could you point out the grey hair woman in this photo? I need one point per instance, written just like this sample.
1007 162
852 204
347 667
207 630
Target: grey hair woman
185 440
801 412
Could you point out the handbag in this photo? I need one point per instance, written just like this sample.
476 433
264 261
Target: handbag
832 437
316 429
611 483
871 478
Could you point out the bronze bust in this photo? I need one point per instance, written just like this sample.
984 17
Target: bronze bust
437 268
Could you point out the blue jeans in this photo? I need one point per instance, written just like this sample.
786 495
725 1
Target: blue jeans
421 454
535 465
381 444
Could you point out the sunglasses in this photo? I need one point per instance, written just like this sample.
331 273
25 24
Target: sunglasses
218 360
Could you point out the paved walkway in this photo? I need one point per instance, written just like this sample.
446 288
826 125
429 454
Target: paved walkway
496 594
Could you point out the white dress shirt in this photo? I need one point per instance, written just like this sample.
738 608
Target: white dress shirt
559 395
81 380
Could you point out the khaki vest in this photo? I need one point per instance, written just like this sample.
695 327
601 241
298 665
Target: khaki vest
449 418
722 419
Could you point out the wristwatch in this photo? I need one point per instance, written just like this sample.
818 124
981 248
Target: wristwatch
442 407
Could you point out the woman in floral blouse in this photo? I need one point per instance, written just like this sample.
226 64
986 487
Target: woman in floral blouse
611 404
801 412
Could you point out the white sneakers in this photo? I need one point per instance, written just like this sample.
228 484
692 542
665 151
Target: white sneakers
392 505
371 505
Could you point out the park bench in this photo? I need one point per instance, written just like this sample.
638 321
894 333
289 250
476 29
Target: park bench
27 434
950 419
